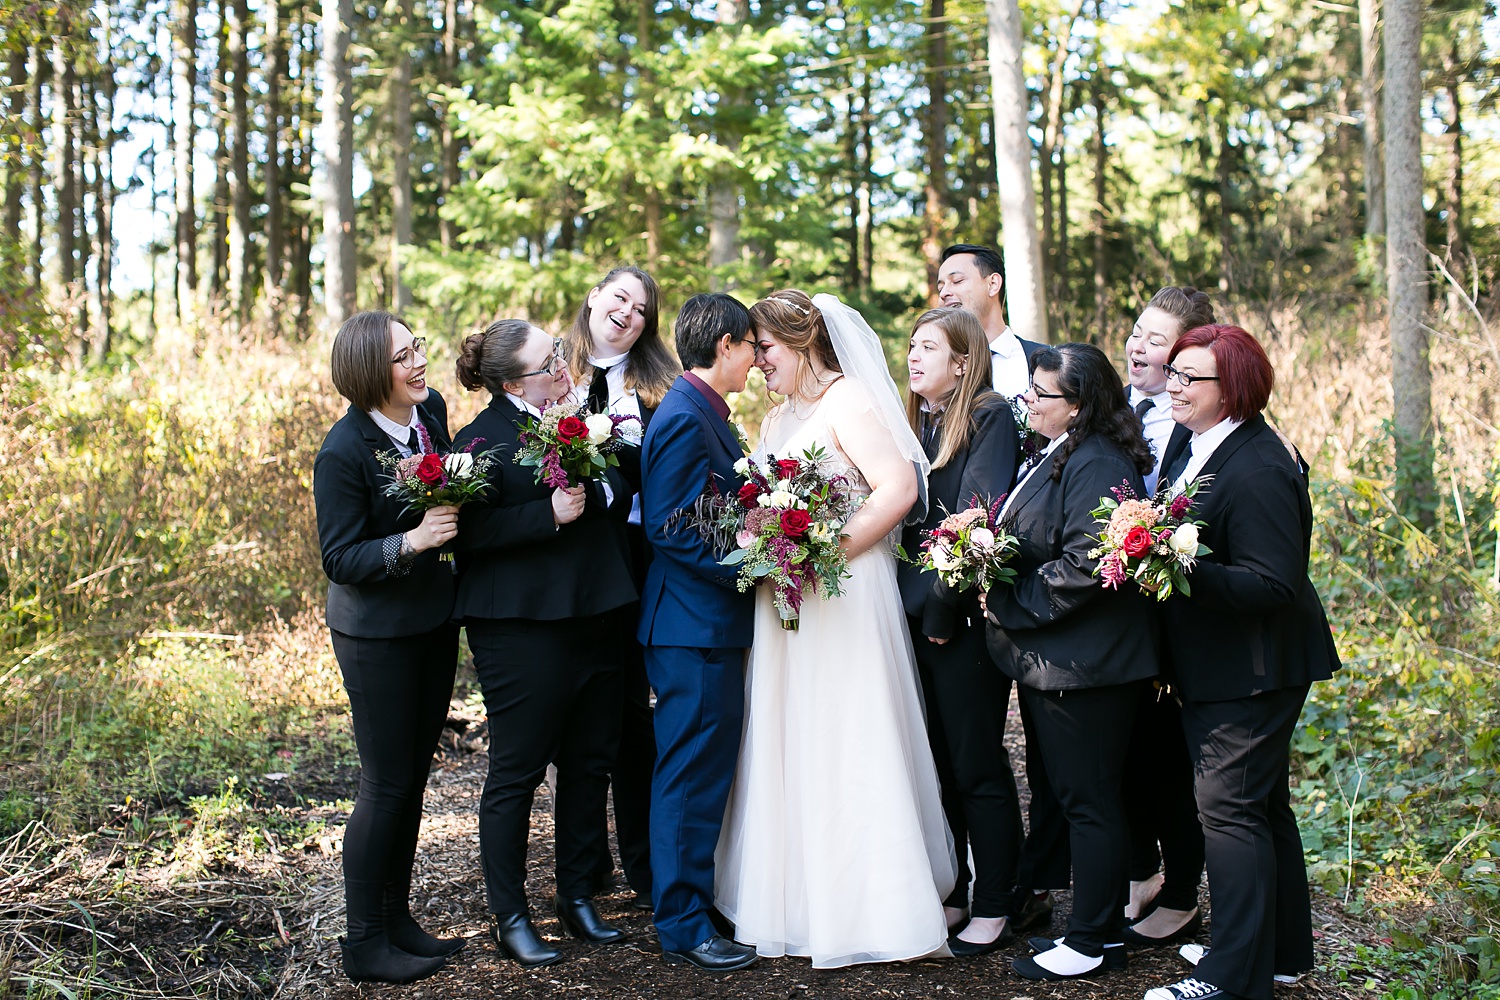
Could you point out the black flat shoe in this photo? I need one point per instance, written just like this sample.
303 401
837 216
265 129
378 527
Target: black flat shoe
518 941
1034 912
1027 968
579 918
1115 955
968 949
1186 932
717 954
376 960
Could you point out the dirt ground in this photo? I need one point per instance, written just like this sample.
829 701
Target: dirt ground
269 927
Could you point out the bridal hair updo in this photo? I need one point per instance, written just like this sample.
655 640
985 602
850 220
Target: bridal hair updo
1190 307
791 318
1086 379
489 359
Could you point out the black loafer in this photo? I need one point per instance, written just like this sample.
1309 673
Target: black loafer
1032 912
1115 955
519 941
717 954
579 918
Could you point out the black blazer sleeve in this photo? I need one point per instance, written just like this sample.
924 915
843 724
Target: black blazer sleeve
1262 524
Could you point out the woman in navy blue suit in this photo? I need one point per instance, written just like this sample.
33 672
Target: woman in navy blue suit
1244 650
390 602
1079 652
544 582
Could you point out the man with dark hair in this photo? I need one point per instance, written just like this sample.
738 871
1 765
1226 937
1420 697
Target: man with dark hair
972 277
695 626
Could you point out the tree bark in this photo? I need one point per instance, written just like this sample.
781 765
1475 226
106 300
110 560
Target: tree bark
15 141
866 174
339 275
219 105
37 69
1051 134
62 137
104 199
1369 95
184 78
1026 308
935 132
1406 261
401 157
851 159
650 193
448 181
241 288
275 70
1101 262
723 189
1453 176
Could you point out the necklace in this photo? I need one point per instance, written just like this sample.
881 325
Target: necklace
791 399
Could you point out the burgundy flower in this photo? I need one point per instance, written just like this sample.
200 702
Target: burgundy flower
1180 505
1137 541
749 494
430 469
786 468
571 429
794 523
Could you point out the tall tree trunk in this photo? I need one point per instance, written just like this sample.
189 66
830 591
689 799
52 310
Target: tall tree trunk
935 134
1101 263
63 169
184 79
275 69
401 157
1406 257
241 288
866 174
1027 311
723 189
1051 137
1453 176
219 103
448 179
36 111
339 275
15 141
1369 95
851 159
104 197
650 193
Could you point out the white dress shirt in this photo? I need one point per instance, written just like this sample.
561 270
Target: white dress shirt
400 434
1008 358
1157 426
1041 459
1201 448
622 403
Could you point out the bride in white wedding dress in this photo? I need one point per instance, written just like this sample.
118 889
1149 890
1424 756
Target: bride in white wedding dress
834 846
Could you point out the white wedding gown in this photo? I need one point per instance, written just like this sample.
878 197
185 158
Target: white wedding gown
834 845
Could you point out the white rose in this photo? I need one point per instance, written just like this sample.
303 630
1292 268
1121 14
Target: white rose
822 531
600 428
943 559
982 538
784 486
459 464
781 499
742 467
1185 540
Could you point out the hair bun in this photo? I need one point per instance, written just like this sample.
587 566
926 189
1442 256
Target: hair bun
468 362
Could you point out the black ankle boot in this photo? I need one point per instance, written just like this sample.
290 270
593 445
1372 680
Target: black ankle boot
579 918
376 960
519 941
407 935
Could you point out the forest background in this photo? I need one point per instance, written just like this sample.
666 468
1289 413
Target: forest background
197 191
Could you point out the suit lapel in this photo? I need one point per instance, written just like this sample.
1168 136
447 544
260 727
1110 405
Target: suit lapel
720 425
1032 486
1233 443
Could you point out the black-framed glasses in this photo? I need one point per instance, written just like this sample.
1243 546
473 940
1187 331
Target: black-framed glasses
550 368
760 349
1039 394
1185 378
407 356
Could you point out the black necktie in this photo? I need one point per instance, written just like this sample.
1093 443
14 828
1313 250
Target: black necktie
598 401
931 425
1144 407
414 442
1170 473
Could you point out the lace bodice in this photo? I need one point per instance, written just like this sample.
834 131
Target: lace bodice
787 432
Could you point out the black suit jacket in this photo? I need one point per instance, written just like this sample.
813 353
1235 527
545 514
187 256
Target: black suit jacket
1253 623
514 561
985 468
1058 628
354 519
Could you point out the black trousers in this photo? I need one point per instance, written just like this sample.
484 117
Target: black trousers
398 695
1257 877
1046 861
967 697
1159 802
1083 734
552 694
630 777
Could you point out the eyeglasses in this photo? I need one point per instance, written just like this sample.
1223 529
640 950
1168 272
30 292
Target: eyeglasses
1039 394
407 356
760 349
550 368
1185 378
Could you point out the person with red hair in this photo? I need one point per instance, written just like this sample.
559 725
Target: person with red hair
1244 650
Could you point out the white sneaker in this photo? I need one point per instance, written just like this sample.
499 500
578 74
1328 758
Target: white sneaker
1288 980
1188 989
1192 954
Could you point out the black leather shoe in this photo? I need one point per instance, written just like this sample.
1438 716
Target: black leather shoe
1027 968
717 954
376 960
968 949
579 918
519 941
642 902
1115 956
1186 932
1032 911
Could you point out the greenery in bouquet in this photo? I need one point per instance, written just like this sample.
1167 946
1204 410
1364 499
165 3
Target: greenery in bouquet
569 445
969 548
434 480
1153 542
1031 443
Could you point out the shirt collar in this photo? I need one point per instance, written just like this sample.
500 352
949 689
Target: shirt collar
1210 439
1158 398
1006 344
522 405
709 393
1052 446
608 362
398 432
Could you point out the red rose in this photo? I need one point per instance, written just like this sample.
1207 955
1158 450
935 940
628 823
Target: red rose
571 429
1137 541
430 469
786 468
794 523
749 493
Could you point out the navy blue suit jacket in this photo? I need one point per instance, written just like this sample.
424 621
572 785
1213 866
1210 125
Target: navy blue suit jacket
689 599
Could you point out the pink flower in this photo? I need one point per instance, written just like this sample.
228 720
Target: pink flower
1181 504
1112 571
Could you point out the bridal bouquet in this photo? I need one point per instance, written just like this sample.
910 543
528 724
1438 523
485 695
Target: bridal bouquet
570 445
970 549
433 480
1153 542
785 524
